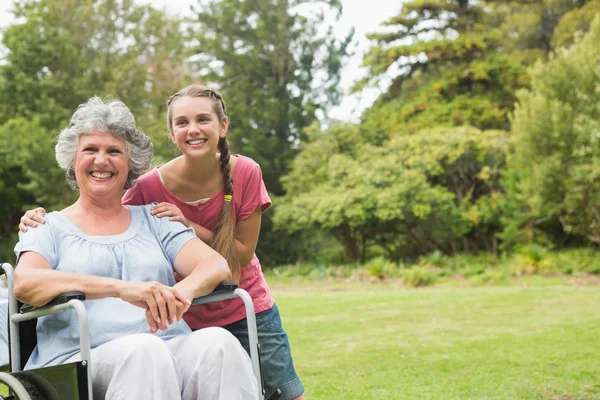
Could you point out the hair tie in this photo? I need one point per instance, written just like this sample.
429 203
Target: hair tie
227 198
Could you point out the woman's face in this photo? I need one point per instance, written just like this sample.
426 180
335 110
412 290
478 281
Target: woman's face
195 127
101 164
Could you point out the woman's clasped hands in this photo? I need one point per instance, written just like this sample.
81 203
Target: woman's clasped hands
164 305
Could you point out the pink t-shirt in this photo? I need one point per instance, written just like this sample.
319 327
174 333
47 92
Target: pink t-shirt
249 193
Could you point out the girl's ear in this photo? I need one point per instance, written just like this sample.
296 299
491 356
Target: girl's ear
172 136
224 126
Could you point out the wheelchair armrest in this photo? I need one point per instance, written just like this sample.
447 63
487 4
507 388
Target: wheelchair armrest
225 286
61 299
223 291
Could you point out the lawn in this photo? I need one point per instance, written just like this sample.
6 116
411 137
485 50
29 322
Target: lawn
378 341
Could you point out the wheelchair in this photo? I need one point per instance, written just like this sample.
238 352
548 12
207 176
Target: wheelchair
72 381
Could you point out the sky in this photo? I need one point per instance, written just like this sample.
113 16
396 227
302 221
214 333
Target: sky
365 16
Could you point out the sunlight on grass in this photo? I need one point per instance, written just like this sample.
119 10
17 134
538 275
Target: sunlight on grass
378 342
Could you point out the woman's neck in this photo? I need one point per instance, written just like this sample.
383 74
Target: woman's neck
99 217
98 207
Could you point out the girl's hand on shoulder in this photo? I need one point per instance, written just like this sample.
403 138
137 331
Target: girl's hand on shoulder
164 209
32 218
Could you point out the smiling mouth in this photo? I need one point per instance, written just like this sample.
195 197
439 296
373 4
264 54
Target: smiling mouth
102 175
196 141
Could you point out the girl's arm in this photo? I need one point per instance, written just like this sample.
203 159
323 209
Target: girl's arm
246 231
202 268
246 236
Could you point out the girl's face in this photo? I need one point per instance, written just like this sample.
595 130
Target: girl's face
101 164
195 127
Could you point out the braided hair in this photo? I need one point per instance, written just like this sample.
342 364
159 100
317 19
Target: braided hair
224 235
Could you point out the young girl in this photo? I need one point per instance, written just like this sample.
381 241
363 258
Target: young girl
222 197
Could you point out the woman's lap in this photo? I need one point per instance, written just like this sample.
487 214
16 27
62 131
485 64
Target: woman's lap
209 363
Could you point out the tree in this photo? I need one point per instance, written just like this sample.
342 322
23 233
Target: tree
575 23
556 165
447 69
62 52
276 66
457 62
435 190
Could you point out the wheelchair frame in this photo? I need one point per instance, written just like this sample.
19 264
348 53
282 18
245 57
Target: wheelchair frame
225 290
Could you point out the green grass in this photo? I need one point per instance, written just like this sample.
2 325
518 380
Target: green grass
376 341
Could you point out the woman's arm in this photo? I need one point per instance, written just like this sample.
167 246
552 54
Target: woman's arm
202 268
36 283
246 231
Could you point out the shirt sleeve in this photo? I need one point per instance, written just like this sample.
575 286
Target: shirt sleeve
133 196
173 235
254 194
39 240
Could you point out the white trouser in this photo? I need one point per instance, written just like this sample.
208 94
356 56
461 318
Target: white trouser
207 364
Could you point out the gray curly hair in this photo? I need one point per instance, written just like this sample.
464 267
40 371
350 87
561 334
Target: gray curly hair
109 116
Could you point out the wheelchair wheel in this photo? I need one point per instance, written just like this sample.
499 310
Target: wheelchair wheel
35 387
14 386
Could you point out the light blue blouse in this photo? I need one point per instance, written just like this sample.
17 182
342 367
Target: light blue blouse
145 252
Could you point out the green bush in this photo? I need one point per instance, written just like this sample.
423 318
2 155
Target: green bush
381 268
534 253
575 261
533 259
435 259
490 277
419 276
473 270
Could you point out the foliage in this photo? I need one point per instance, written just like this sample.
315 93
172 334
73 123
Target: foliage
529 262
381 268
446 70
59 53
555 167
437 189
419 276
533 260
576 261
528 27
434 260
575 23
456 62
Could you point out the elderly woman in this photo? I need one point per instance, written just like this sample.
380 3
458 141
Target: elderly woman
123 259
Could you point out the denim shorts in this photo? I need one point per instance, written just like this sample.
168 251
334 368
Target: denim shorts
277 366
